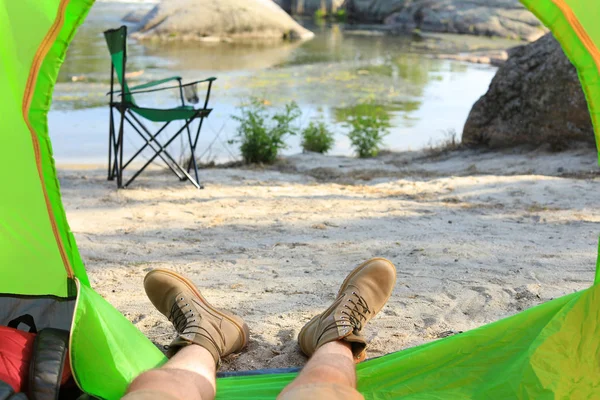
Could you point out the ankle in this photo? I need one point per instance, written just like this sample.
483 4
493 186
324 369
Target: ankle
192 340
193 358
337 348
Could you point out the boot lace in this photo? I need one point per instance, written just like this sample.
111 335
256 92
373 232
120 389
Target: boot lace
356 312
181 316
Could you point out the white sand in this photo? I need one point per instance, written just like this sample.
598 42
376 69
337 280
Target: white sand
475 237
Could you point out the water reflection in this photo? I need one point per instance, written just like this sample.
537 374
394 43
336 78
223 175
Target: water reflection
382 111
222 56
330 77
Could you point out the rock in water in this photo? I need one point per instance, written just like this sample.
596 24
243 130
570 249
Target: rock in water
309 7
135 16
220 20
504 18
535 98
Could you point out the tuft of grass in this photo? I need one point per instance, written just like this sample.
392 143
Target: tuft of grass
316 137
262 134
449 143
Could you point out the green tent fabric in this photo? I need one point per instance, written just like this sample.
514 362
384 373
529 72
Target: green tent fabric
38 254
550 351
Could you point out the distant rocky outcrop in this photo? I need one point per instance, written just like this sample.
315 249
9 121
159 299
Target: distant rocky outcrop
504 18
309 7
135 16
534 99
220 20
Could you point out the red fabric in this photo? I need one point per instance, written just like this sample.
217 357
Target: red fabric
16 350
66 370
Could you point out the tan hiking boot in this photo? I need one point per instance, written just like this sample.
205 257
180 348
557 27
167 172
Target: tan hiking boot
362 295
195 319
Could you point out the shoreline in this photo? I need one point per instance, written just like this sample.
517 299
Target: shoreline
579 160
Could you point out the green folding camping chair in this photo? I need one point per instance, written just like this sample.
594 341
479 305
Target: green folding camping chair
124 107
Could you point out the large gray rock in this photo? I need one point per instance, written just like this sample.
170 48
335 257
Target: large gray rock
220 20
504 18
535 98
309 7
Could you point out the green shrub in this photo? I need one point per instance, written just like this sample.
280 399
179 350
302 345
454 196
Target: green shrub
368 131
261 135
317 138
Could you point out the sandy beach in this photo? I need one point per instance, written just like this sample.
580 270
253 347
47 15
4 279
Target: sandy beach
475 237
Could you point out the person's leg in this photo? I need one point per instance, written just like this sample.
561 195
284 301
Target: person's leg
333 363
190 374
205 334
334 338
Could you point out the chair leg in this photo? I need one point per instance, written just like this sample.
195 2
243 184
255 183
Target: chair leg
158 153
206 99
190 143
175 166
119 167
149 143
196 141
115 154
193 145
111 135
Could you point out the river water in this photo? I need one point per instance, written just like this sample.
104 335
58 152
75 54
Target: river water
426 98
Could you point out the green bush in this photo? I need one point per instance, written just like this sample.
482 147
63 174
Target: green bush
317 138
261 135
368 131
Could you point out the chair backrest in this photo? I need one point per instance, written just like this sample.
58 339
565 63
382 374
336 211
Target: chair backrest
116 39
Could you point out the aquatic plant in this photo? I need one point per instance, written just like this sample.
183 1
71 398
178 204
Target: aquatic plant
261 135
316 137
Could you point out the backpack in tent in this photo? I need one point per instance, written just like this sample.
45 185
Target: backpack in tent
548 352
34 362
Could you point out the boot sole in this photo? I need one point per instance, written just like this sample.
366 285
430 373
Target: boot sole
237 321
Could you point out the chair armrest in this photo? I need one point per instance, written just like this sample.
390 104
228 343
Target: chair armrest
156 83
211 79
119 92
